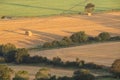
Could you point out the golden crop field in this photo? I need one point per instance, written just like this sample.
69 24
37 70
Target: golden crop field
51 28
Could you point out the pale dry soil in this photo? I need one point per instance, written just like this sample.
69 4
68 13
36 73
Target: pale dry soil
100 53
54 28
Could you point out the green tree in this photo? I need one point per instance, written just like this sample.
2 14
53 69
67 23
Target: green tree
47 45
42 74
5 72
80 62
10 57
63 43
68 40
116 68
83 74
56 61
21 75
20 55
55 43
89 7
5 49
79 37
104 36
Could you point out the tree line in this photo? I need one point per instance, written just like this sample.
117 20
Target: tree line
6 73
78 38
9 53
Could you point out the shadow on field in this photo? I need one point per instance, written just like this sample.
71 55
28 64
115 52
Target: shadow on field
69 32
107 20
41 37
29 6
11 31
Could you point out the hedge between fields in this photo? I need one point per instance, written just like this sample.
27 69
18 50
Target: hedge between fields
9 52
78 38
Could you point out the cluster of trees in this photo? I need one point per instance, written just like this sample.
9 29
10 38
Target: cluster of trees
89 8
115 69
21 75
79 38
57 62
82 74
9 53
5 72
42 74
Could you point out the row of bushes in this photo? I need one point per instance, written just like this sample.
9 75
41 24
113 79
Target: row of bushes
79 38
9 53
57 62
43 74
82 74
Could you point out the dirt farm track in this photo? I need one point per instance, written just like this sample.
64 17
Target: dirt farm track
50 28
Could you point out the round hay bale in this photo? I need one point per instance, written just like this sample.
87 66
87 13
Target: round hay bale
89 14
28 33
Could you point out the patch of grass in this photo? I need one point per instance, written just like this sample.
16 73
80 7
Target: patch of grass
54 7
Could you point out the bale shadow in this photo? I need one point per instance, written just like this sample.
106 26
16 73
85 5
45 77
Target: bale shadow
41 37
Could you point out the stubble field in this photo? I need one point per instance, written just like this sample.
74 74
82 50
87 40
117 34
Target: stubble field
54 28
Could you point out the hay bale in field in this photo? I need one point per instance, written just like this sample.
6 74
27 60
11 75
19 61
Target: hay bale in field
28 33
89 14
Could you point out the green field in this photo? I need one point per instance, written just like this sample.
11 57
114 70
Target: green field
52 7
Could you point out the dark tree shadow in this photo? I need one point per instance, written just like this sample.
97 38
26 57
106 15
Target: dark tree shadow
41 37
68 32
107 20
11 31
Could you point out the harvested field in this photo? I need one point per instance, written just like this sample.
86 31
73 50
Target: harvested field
51 28
28 23
33 70
101 53
53 71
